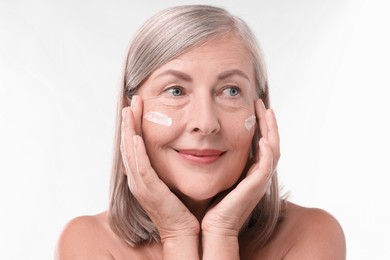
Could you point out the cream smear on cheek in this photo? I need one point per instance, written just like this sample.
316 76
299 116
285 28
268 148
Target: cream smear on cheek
158 118
250 122
164 120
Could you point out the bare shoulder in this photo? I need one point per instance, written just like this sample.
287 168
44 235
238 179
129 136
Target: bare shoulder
304 233
313 233
84 237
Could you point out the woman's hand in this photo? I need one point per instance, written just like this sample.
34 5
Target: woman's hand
173 220
225 219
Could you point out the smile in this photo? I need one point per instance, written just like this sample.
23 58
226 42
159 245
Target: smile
201 156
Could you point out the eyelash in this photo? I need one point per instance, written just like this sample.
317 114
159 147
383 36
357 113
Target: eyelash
232 88
174 88
225 90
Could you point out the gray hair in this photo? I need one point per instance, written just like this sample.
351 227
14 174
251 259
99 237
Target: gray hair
162 38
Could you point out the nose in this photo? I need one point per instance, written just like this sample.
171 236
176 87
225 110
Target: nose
203 116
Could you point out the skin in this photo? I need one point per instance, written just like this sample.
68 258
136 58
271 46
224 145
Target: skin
197 220
221 106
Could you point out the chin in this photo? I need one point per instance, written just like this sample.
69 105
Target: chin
196 196
198 193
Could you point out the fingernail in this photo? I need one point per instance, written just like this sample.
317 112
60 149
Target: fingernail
133 100
263 109
272 112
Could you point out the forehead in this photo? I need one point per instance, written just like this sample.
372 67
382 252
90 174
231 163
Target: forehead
215 55
227 47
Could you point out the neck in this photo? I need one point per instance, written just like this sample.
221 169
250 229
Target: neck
197 207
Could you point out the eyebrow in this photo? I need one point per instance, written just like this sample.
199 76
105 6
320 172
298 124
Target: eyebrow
177 74
230 73
186 77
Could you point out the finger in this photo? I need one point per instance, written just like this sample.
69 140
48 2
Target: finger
127 133
136 107
266 159
260 115
259 174
253 187
273 134
127 151
145 171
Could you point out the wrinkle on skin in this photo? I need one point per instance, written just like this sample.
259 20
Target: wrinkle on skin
202 104
158 118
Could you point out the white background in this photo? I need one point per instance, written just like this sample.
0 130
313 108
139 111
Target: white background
60 66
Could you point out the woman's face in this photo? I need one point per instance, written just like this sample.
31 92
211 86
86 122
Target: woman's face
198 141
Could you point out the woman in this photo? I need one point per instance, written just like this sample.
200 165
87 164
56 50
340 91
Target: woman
194 172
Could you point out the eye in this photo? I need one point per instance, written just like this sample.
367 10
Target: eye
175 91
231 91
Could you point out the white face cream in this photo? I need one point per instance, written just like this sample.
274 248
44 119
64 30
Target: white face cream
250 122
158 118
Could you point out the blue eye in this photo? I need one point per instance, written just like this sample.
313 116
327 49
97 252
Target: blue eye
175 91
231 91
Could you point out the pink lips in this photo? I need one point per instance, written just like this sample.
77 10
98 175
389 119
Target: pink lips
201 156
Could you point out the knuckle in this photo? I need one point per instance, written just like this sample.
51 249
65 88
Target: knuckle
141 170
126 165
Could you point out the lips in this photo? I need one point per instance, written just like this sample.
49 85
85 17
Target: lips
201 156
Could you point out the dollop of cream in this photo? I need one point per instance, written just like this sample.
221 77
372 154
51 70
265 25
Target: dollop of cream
158 118
250 122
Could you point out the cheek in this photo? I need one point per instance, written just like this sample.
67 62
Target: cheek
239 137
159 127
156 137
157 112
241 123
154 118
156 128
250 122
160 118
